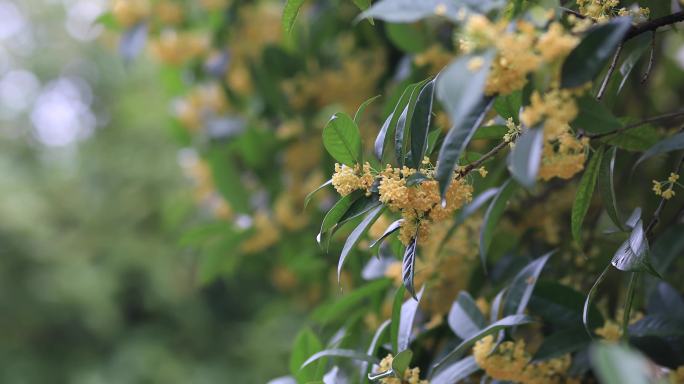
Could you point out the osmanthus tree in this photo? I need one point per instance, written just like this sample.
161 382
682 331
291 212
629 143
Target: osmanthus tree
507 210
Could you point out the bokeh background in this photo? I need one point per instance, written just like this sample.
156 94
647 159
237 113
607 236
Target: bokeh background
95 284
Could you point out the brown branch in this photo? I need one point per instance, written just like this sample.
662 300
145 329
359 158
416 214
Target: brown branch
611 69
635 125
477 163
651 58
654 24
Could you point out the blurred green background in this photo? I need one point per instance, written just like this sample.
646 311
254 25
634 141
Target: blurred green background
94 285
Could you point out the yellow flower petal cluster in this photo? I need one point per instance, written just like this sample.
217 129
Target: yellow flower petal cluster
669 192
129 12
347 179
410 375
563 155
610 331
603 10
176 48
511 362
519 52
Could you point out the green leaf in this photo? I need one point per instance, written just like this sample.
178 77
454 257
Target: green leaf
342 140
585 62
355 236
525 158
667 247
567 340
635 139
490 132
585 191
561 306
658 326
362 109
340 307
387 131
408 266
642 43
345 353
461 92
393 227
456 372
396 316
336 213
607 188
290 14
492 215
225 175
311 194
373 347
465 318
402 134
409 11
358 208
586 311
306 344
672 143
401 362
508 106
520 290
615 364
409 38
506 322
363 5
633 254
406 318
665 300
420 123
594 117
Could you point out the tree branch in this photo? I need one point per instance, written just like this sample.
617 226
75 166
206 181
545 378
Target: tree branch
477 163
611 69
636 125
654 24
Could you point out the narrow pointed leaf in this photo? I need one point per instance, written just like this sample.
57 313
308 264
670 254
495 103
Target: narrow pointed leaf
387 131
395 226
311 194
587 59
345 353
594 117
355 236
335 214
525 158
465 318
373 347
362 108
607 188
520 290
400 362
408 266
672 143
585 191
461 93
633 255
396 318
590 298
342 140
456 372
420 123
290 14
492 215
407 316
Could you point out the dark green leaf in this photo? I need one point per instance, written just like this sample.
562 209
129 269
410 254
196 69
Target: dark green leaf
409 38
657 325
465 318
641 42
495 310
336 213
420 123
290 14
668 247
590 55
395 226
567 340
585 191
561 306
506 322
345 353
387 132
634 140
362 109
416 179
456 372
594 117
407 315
520 290
308 197
615 364
607 188
403 130
492 215
525 158
665 300
342 140
672 143
355 236
461 92
508 106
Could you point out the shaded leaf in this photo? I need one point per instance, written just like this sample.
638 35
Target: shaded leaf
634 140
465 318
492 216
345 353
585 191
461 92
567 340
607 188
657 325
342 140
561 306
420 123
490 132
594 117
456 372
336 213
408 266
508 106
525 158
387 131
667 247
587 59
586 311
355 236
340 307
407 37
642 43
520 289
672 143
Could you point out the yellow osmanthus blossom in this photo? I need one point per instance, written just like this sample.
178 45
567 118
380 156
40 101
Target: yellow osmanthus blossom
669 192
510 361
610 331
410 375
555 43
265 235
603 10
677 375
347 180
169 12
178 47
129 12
434 58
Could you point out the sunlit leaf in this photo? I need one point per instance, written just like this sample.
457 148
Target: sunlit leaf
465 318
336 213
400 362
633 254
306 344
340 307
290 14
342 140
508 106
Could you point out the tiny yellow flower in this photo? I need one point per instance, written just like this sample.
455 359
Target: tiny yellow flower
483 171
668 193
673 178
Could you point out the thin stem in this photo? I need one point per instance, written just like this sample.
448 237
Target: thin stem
651 58
661 205
631 288
476 164
611 69
649 120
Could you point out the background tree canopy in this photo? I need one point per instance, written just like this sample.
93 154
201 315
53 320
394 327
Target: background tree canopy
399 191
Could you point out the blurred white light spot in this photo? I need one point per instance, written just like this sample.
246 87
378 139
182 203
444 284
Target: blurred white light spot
11 20
18 89
60 115
81 18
